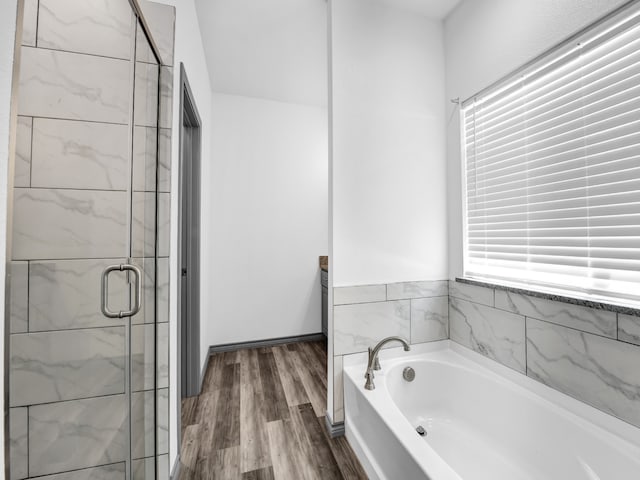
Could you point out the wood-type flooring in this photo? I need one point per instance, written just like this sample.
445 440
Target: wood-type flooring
260 416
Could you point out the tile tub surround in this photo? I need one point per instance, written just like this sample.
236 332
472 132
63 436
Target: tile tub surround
590 354
71 177
365 314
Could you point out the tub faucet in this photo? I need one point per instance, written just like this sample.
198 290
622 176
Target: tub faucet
374 364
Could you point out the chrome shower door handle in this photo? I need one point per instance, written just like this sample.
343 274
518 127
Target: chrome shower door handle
137 296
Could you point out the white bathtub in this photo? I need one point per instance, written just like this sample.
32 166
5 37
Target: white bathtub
483 422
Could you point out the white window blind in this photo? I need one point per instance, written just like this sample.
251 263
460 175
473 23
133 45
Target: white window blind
552 163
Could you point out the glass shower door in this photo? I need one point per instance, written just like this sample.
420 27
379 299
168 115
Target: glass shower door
83 390
143 254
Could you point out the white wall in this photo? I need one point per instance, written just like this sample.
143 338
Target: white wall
269 188
387 163
7 44
485 40
189 50
388 154
269 167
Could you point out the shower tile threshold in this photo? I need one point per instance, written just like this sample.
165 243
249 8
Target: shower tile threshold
260 416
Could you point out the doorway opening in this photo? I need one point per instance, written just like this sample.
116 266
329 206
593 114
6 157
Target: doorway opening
189 240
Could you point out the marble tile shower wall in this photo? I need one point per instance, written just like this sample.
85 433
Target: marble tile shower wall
587 353
363 315
70 221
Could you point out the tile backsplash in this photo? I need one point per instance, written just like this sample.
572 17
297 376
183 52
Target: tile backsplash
588 353
365 314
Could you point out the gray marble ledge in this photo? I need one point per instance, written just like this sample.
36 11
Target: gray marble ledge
611 307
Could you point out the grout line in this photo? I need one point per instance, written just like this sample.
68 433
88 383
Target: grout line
69 400
64 119
613 339
526 348
37 22
28 442
30 154
72 52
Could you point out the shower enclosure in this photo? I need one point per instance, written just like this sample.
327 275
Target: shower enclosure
88 320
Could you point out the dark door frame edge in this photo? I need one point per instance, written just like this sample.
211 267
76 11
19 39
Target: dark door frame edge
189 116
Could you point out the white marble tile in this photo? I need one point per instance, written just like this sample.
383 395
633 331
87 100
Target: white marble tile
19 443
142 357
161 20
143 232
145 159
146 94
494 333
629 328
82 155
58 84
30 23
144 353
142 424
359 294
65 294
164 160
162 292
148 308
22 170
162 367
600 322
591 368
19 297
338 389
407 290
115 471
358 327
429 319
166 97
144 468
96 27
162 428
57 224
65 365
163 467
472 293
77 434
164 224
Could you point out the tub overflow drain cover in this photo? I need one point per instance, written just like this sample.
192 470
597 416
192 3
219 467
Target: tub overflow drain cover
421 431
409 374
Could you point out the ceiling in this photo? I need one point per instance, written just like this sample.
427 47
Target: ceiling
277 49
271 49
437 9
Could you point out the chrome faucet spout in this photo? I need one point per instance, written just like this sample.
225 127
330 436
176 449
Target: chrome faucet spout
374 364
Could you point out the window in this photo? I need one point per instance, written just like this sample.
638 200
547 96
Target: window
552 168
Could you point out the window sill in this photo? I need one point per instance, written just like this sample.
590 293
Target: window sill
599 305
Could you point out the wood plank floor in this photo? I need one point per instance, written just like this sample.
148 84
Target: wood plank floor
260 416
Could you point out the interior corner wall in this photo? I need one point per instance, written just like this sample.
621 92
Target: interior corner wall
269 199
188 50
486 40
388 145
7 50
